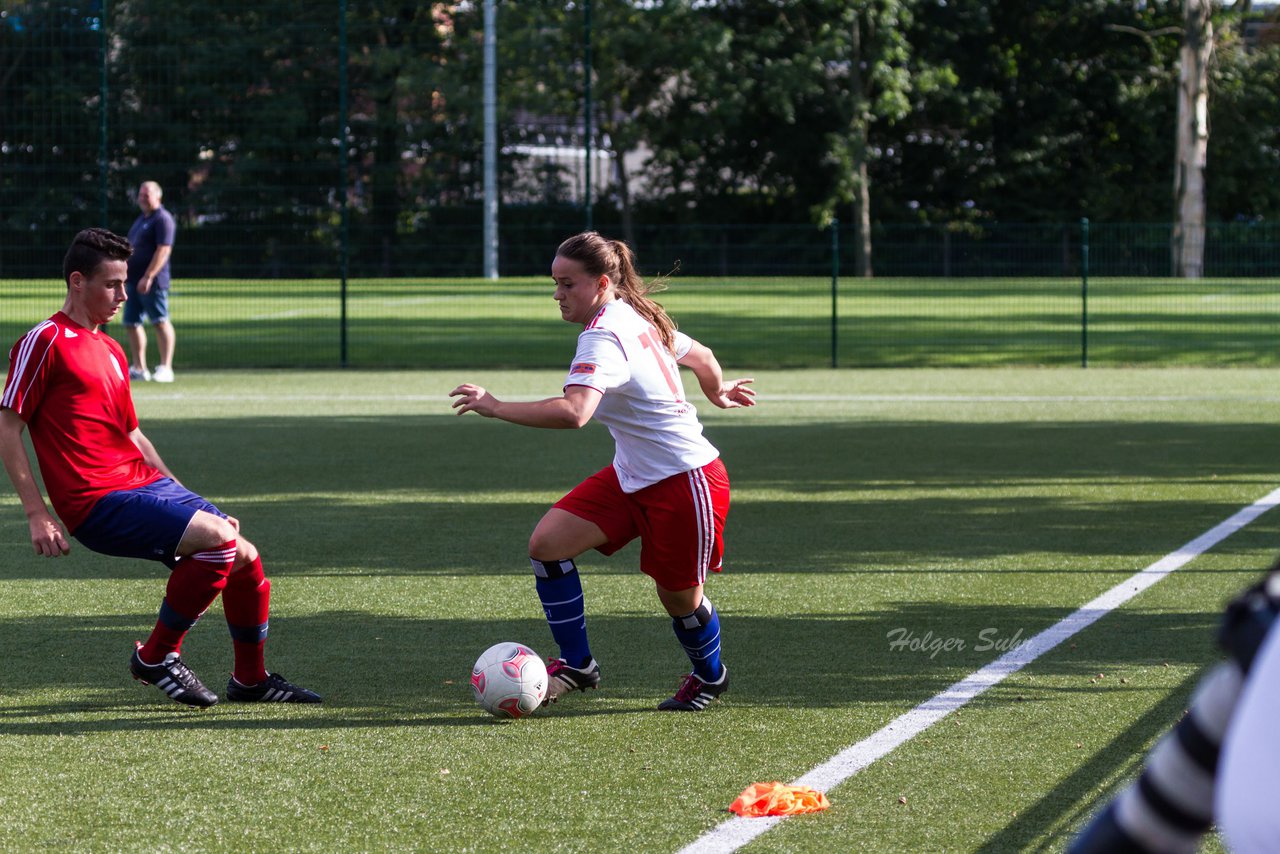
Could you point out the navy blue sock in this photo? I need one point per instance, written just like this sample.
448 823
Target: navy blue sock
560 590
699 634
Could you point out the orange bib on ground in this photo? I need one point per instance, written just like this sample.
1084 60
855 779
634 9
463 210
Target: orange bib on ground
778 799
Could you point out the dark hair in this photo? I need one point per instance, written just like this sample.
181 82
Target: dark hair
602 256
90 248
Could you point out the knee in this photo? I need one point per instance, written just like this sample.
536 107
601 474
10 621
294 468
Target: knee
539 546
678 603
246 552
224 531
548 548
545 544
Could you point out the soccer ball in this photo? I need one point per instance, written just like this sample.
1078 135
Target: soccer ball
509 680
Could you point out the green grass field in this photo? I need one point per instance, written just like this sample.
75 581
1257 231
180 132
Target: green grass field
768 322
931 501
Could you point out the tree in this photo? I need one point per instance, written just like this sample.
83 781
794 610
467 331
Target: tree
50 153
1245 143
782 113
1192 139
1061 111
233 109
884 80
747 120
396 51
640 52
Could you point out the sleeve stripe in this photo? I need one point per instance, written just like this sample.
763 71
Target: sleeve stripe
25 350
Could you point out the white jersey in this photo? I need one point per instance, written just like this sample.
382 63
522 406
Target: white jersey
656 430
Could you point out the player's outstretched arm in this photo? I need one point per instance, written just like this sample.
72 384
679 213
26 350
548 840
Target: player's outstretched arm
726 394
571 410
46 534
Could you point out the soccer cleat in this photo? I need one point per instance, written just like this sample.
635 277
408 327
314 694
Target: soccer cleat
163 374
172 677
561 678
139 374
274 689
695 695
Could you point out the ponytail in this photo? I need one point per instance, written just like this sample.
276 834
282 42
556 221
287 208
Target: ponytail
601 256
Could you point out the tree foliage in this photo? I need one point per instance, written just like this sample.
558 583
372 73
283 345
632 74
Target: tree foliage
741 110
1244 143
50 149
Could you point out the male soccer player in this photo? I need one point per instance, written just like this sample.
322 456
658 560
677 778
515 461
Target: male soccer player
68 383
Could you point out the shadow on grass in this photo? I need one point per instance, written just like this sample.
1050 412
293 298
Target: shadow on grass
438 495
1063 811
376 670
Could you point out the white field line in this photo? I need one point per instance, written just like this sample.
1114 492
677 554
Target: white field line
328 310
439 400
1014 398
292 313
736 832
763 398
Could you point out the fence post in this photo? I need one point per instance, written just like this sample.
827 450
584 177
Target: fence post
344 236
835 288
490 251
587 105
103 160
1084 292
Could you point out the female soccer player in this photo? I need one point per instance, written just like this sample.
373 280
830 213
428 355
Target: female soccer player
666 485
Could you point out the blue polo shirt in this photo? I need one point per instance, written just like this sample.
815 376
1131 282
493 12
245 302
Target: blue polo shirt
146 234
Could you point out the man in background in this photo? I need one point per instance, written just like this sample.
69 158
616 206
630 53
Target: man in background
151 235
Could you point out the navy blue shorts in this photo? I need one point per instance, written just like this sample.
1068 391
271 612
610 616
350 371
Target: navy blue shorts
153 305
147 522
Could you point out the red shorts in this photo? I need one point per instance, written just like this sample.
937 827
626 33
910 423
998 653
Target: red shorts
680 521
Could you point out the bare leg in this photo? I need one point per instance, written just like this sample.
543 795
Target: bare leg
165 342
560 535
680 602
137 346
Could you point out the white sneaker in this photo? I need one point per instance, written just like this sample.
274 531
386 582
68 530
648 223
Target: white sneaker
140 374
163 374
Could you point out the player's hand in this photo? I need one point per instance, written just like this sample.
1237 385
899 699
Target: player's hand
473 398
47 536
144 284
735 393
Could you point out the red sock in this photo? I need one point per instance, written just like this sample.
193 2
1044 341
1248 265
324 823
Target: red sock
246 602
195 582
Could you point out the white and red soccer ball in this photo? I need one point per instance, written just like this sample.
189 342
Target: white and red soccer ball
509 680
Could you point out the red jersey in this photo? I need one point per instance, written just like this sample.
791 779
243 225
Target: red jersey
71 386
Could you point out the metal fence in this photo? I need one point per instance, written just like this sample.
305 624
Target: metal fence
780 303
